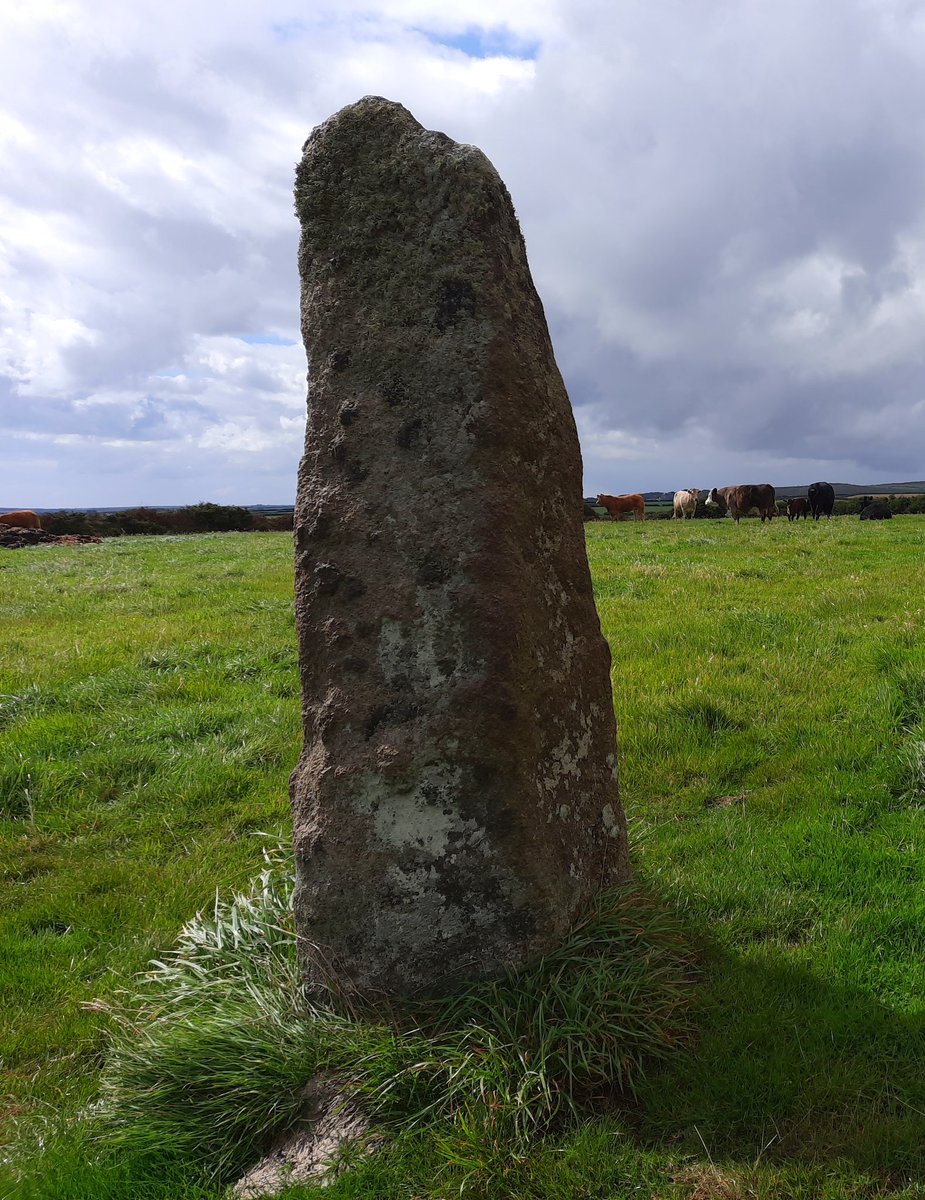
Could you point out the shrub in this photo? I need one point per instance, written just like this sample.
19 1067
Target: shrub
275 524
205 517
67 521
194 518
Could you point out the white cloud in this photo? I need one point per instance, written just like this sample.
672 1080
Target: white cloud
724 207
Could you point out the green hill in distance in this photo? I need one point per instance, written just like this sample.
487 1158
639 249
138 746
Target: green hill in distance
844 491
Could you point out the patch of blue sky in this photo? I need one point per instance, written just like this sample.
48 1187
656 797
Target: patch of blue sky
299 27
265 339
476 41
288 31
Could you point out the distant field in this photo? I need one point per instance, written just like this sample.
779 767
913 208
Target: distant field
770 687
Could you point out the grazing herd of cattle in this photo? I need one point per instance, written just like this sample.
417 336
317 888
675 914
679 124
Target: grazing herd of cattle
738 501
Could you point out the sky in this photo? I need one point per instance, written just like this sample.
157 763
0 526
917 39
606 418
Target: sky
723 203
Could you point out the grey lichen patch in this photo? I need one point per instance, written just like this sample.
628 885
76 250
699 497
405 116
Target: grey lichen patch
566 758
418 654
422 819
610 822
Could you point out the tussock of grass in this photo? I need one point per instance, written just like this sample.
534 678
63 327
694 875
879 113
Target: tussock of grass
701 716
909 781
210 1055
910 699
585 1020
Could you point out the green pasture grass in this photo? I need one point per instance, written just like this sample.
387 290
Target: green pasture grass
148 719
769 684
770 687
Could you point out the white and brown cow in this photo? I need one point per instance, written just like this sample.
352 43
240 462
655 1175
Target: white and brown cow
685 503
740 499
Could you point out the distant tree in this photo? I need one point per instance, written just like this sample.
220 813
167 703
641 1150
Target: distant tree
280 523
71 521
137 521
206 517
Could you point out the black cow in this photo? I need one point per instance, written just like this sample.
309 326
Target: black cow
878 511
821 499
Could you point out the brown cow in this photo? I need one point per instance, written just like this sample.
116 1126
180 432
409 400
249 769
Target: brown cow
620 506
797 506
685 503
21 520
742 498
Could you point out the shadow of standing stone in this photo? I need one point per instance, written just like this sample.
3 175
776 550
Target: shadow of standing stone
456 802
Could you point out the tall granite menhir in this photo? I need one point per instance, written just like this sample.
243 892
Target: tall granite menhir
456 802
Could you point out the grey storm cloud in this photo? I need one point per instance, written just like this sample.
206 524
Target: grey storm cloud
724 207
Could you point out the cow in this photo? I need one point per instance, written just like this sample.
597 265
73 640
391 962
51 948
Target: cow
797 506
685 503
621 506
821 498
877 511
24 519
741 498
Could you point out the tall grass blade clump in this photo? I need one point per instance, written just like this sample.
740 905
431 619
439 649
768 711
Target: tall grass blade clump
576 1027
210 1050
210 1053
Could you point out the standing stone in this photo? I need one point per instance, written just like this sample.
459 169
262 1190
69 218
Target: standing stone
456 802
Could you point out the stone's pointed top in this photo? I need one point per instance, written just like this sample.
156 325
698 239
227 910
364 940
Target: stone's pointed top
373 166
378 106
383 126
372 111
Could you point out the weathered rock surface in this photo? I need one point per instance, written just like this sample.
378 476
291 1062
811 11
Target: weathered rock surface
12 537
331 1123
456 801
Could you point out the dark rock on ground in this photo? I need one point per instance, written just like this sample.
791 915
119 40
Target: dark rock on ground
12 538
331 1121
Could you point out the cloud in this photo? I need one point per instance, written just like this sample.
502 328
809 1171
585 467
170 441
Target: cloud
723 206
734 236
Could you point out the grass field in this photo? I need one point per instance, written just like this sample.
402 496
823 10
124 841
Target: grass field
770 687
